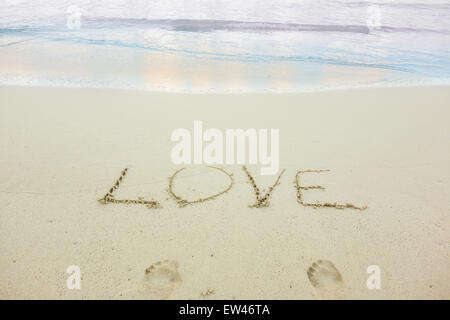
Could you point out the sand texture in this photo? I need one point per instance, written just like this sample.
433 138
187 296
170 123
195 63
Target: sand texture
62 149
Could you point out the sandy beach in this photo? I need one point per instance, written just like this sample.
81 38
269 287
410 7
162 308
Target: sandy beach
62 149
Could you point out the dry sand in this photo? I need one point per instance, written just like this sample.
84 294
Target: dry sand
62 149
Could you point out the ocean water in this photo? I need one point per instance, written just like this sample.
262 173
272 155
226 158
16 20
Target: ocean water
225 46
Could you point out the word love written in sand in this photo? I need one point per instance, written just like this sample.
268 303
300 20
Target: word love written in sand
261 200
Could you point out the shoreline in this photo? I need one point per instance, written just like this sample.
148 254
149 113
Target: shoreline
259 92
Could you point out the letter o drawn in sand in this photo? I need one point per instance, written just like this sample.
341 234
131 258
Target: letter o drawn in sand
183 202
326 280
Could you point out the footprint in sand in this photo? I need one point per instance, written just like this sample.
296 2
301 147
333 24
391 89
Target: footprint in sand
160 280
326 280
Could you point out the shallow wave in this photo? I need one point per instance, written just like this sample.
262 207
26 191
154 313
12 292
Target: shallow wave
383 48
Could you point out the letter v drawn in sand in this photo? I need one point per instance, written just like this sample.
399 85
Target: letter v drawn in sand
262 201
326 280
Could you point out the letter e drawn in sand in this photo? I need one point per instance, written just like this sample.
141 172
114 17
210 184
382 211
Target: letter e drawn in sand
319 205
